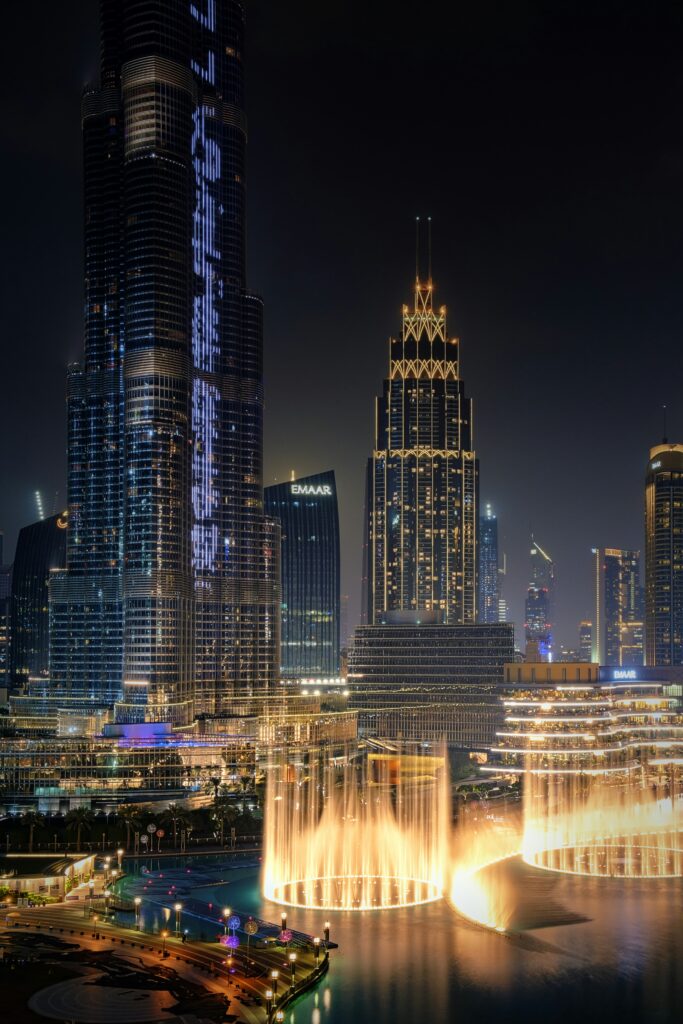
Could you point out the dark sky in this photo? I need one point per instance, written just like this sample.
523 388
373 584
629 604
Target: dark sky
544 139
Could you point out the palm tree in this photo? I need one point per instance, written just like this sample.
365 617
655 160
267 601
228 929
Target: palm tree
130 816
78 819
175 814
32 819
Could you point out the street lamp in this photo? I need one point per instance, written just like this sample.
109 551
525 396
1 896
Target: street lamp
269 1002
107 894
226 915
119 854
326 933
292 966
316 950
91 890
107 862
163 943
274 975
137 901
279 1016
177 907
283 918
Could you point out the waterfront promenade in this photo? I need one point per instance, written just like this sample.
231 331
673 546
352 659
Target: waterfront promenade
243 977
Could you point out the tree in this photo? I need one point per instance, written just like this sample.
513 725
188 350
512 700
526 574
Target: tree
176 815
32 819
78 819
130 816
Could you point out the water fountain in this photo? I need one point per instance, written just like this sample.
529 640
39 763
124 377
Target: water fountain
366 829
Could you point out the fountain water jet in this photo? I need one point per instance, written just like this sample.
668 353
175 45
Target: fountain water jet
367 830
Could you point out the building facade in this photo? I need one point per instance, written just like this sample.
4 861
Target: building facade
664 556
40 552
540 603
585 640
489 572
617 635
307 511
429 680
171 565
5 620
423 477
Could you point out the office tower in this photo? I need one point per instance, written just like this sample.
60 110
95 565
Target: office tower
502 610
539 606
422 483
585 640
616 575
40 552
489 573
310 606
664 555
171 566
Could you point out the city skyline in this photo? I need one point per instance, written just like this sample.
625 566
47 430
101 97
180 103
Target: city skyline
508 292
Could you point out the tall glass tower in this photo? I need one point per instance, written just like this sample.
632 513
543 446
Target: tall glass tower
489 573
617 606
307 511
172 568
664 556
539 607
423 478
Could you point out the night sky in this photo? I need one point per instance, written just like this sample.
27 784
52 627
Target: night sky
545 141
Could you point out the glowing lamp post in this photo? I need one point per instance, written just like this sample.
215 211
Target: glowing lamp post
316 950
137 901
326 933
107 863
107 894
283 918
177 907
91 891
119 854
274 975
226 915
292 966
164 936
279 1016
269 1002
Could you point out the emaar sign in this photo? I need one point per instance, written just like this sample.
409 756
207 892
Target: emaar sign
624 673
322 489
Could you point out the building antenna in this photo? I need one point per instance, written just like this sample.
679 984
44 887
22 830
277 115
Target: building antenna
417 250
429 248
665 439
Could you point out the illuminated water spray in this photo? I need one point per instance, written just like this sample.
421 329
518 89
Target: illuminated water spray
367 830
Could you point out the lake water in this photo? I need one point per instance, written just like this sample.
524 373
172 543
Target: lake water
623 963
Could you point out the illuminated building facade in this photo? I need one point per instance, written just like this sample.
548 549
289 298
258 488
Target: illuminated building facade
310 612
172 567
540 603
423 477
618 616
585 640
41 551
489 573
429 680
664 556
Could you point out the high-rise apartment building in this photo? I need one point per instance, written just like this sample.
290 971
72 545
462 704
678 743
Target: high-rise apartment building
539 608
5 617
664 555
617 622
171 565
41 551
306 508
489 572
422 484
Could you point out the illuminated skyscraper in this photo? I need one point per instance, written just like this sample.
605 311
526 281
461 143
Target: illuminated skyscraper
172 567
489 573
310 624
539 607
617 607
422 487
664 555
41 551
585 641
